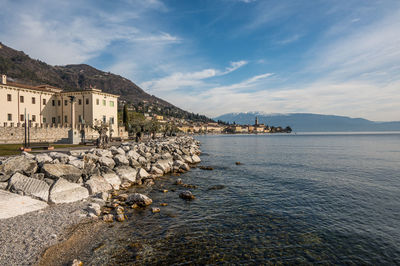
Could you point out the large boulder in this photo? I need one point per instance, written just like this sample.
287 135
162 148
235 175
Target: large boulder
121 159
97 184
43 158
187 159
196 159
126 173
62 157
64 192
113 180
77 163
103 153
139 199
66 171
29 186
133 154
142 174
107 161
18 164
163 165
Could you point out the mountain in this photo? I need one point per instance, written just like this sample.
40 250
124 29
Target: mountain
305 122
21 68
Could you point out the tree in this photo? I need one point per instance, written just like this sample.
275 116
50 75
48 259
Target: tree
125 116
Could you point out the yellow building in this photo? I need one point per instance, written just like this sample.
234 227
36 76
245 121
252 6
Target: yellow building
46 105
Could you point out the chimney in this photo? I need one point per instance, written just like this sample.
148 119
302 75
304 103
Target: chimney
4 79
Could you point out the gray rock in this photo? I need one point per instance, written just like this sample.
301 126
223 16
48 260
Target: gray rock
39 176
133 154
77 163
97 184
103 153
77 153
187 195
29 186
134 163
106 161
187 159
3 185
66 171
90 158
94 208
64 192
156 171
139 199
113 180
142 160
62 157
126 173
126 148
141 174
121 159
28 155
196 159
18 164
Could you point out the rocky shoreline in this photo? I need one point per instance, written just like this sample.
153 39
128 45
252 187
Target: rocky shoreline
81 185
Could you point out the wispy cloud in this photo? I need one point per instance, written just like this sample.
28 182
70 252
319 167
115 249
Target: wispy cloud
180 80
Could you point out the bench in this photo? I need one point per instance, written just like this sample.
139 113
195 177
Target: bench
39 145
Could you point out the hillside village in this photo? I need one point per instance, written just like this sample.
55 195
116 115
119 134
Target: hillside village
151 118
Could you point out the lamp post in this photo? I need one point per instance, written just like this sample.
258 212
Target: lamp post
72 100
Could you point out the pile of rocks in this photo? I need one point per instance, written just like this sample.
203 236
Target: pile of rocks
67 177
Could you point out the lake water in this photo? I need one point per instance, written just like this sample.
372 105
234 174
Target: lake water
295 199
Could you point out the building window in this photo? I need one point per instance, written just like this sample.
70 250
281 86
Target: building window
59 102
44 101
33 100
9 117
97 101
59 119
87 101
80 101
53 103
104 119
65 119
21 99
112 103
21 118
44 119
104 102
112 120
65 102
9 97
33 118
80 119
53 120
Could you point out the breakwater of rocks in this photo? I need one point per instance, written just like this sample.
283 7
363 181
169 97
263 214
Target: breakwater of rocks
57 177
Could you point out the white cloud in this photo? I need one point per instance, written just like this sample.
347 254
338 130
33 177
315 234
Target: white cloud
179 80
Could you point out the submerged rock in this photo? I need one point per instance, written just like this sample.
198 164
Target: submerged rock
216 187
139 199
187 195
155 210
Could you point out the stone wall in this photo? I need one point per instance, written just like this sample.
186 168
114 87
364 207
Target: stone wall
51 134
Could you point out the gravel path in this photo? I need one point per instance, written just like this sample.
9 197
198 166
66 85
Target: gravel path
24 238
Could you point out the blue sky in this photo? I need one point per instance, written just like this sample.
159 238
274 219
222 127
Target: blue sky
219 56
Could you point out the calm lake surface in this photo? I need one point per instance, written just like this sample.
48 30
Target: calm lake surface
296 199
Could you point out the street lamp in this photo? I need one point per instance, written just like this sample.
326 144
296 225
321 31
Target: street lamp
72 100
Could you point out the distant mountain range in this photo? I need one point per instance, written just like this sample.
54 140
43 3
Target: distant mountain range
305 122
